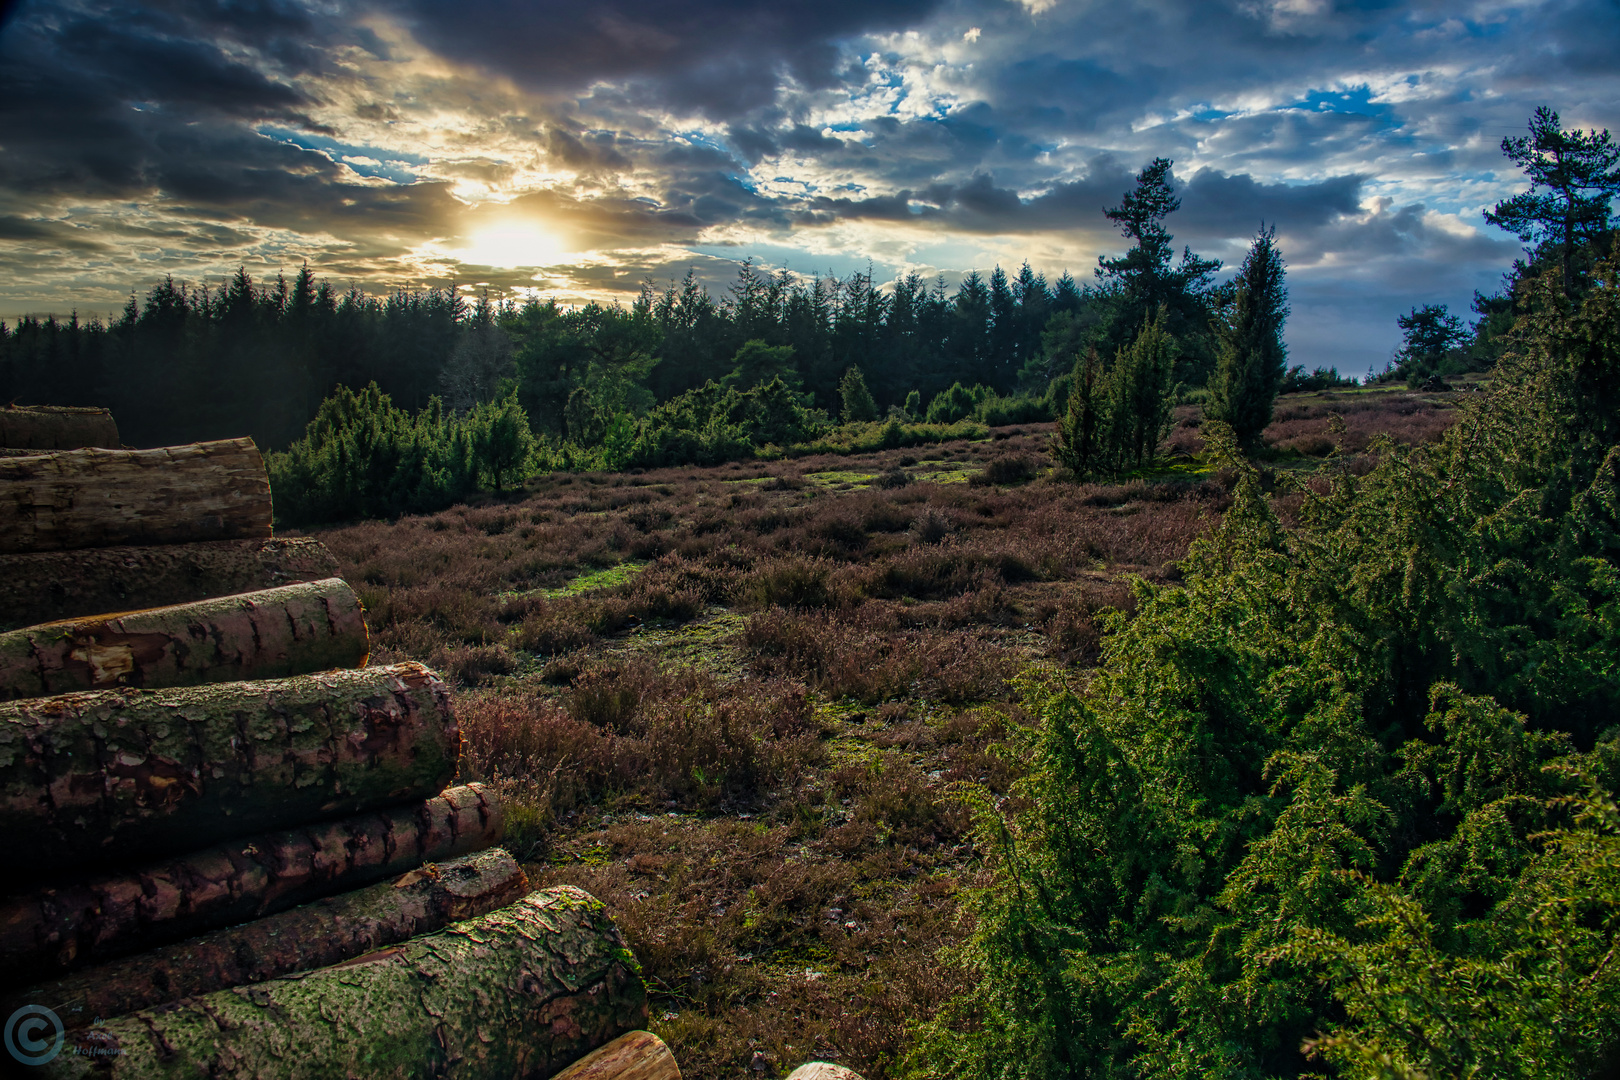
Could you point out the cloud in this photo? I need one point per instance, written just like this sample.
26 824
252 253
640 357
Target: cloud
373 136
722 58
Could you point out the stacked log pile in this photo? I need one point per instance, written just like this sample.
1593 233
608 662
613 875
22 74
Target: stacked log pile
242 851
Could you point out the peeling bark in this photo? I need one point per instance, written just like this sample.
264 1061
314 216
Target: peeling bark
640 1055
111 776
516 994
96 498
272 634
315 935
50 931
50 585
56 427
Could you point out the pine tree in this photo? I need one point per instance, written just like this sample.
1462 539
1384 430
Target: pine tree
859 408
1573 179
1252 358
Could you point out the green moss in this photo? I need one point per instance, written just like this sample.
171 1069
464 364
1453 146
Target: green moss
945 476
597 579
841 477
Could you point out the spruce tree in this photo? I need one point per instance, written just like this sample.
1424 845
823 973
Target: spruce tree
859 408
1252 358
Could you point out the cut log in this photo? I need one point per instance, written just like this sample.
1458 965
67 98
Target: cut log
56 427
822 1070
271 634
315 935
98 498
51 931
515 994
49 585
640 1055
111 776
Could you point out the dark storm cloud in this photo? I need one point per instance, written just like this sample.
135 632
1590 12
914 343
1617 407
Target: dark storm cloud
92 110
723 58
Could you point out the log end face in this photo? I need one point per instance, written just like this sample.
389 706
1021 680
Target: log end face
637 1055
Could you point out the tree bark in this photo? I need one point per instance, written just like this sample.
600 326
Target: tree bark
50 585
111 776
51 931
97 498
517 993
272 634
640 1055
54 427
315 935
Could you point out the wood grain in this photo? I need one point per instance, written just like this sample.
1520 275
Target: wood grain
639 1055
111 777
50 931
56 427
315 935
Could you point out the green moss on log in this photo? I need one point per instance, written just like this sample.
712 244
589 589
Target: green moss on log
320 934
518 994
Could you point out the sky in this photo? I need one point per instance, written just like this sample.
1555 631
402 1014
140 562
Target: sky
577 150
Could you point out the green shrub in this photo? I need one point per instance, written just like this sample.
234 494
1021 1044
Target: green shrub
954 404
1348 796
997 411
716 423
1114 420
363 457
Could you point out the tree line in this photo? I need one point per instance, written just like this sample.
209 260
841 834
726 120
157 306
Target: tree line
252 357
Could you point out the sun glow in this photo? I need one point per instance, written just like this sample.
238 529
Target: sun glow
511 244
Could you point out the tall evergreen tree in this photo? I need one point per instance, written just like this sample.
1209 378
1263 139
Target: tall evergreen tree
1078 444
1143 280
1252 357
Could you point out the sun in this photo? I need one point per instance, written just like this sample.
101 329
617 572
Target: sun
509 244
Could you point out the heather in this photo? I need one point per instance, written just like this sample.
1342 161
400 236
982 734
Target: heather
740 702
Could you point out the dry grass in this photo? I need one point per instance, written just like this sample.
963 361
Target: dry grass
746 745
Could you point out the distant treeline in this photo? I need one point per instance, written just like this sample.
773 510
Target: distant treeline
678 375
191 362
195 362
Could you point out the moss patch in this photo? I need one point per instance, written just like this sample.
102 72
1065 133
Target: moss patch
597 579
